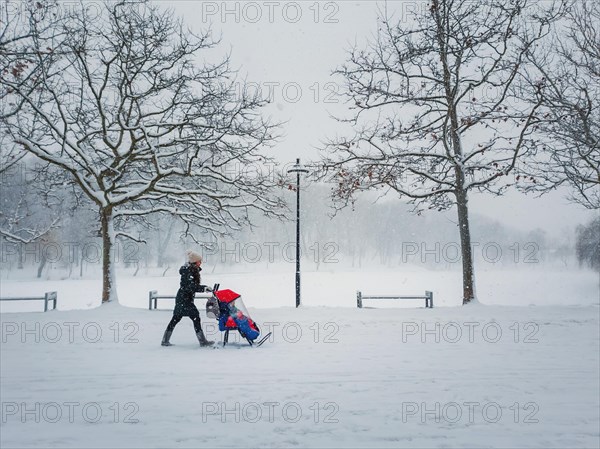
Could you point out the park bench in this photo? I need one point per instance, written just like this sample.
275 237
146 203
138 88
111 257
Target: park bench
153 297
428 297
48 296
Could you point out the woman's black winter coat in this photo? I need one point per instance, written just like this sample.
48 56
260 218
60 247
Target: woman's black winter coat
188 286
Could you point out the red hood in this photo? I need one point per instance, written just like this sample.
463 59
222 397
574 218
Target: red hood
227 296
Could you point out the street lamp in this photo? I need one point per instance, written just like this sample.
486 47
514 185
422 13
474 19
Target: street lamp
297 168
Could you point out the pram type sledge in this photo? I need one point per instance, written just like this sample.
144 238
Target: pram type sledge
227 307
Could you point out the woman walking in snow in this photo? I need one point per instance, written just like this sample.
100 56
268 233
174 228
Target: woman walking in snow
184 301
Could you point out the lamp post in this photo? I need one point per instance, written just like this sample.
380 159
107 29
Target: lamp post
297 168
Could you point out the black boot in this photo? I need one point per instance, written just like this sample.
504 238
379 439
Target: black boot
202 339
166 338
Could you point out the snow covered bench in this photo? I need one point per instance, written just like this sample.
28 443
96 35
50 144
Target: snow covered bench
48 296
428 297
153 298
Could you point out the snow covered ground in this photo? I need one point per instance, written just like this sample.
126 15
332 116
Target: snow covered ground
520 371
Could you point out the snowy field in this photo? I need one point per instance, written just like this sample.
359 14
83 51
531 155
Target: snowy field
520 370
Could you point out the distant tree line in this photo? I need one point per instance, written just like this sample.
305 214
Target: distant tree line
588 244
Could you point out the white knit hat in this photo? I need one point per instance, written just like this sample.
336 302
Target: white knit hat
193 256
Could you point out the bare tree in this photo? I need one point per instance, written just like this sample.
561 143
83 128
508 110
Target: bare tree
587 245
570 153
28 212
129 107
435 112
21 25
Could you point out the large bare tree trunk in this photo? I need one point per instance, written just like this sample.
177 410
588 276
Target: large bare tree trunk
465 244
109 292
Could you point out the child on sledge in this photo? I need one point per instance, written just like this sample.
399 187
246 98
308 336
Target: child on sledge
184 301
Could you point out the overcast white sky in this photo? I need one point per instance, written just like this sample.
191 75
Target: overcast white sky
290 49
